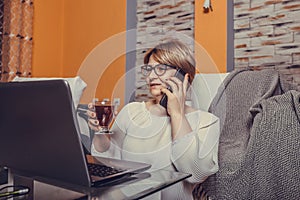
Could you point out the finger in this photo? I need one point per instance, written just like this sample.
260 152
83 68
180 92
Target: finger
176 80
116 112
173 85
181 85
91 114
94 124
91 106
178 86
93 127
166 91
185 82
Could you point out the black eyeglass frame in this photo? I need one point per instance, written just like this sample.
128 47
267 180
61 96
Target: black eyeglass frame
148 68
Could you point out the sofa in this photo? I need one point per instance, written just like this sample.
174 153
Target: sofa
259 147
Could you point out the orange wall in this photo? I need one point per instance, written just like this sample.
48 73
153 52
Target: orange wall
87 25
211 37
67 33
47 38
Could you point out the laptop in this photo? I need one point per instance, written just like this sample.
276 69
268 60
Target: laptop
40 137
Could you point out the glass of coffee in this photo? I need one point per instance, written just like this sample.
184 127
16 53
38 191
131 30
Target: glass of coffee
105 114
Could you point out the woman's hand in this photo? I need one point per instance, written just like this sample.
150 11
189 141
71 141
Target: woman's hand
92 118
176 99
176 106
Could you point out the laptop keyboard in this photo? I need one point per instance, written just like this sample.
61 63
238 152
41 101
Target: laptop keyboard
102 170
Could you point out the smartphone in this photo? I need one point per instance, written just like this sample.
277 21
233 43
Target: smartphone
164 100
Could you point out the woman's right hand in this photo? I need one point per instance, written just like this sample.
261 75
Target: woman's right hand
92 118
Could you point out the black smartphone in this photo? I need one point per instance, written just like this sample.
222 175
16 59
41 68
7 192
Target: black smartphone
180 75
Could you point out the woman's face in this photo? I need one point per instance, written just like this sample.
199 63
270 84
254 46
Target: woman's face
156 82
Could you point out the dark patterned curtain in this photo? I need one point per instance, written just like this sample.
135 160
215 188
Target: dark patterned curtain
16 54
1 32
3 171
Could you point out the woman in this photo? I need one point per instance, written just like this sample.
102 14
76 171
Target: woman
178 138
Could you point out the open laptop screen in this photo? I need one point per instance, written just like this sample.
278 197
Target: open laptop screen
38 131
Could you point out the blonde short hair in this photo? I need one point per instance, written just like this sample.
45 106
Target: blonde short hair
173 53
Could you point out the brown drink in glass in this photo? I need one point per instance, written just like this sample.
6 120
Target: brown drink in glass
105 114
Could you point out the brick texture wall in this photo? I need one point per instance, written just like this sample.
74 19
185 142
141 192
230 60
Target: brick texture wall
158 21
267 35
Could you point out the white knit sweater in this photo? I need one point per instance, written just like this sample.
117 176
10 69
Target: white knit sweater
142 136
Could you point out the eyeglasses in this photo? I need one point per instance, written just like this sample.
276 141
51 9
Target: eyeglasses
159 69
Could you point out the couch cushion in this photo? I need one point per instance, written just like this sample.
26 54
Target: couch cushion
204 89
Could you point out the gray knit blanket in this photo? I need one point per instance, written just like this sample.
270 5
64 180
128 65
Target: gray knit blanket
259 150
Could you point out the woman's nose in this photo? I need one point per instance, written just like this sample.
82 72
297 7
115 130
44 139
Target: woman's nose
152 74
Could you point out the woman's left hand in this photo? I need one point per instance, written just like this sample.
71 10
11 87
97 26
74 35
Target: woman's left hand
176 99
